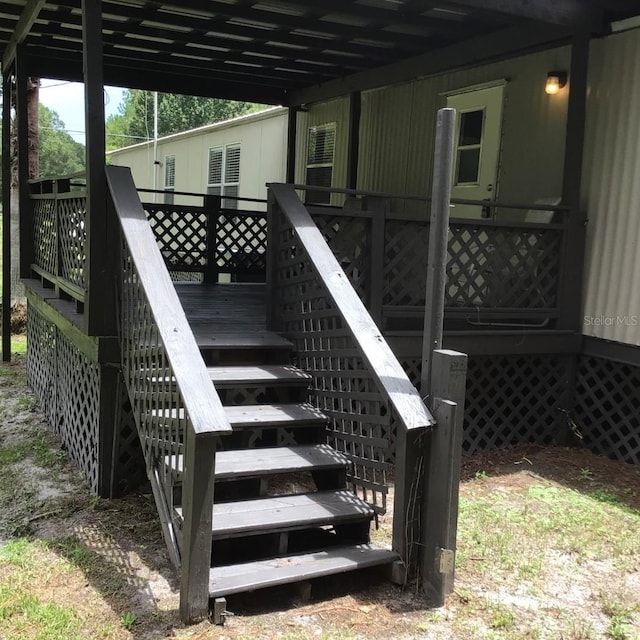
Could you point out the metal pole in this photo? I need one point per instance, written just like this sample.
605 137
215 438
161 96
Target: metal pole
155 144
6 216
438 230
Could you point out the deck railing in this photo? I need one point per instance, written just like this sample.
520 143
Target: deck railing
497 271
357 380
59 234
178 413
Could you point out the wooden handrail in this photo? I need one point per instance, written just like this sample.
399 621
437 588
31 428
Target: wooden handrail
374 350
201 402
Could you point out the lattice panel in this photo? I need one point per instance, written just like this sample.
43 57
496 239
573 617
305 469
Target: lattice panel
359 417
158 407
405 263
72 238
350 240
41 362
501 267
241 243
607 409
181 234
513 399
45 235
78 384
129 467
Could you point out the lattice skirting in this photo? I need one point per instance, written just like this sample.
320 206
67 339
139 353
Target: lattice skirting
607 408
70 387
511 399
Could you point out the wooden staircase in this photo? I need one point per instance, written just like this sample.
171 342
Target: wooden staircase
282 510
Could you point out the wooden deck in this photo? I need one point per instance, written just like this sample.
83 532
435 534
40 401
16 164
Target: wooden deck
228 315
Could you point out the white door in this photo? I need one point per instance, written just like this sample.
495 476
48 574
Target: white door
477 148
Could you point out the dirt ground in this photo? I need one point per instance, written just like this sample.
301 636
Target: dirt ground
105 559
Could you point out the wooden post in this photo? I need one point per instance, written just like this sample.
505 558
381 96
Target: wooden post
24 195
292 140
440 502
6 216
212 204
272 221
199 456
99 302
438 231
355 109
379 208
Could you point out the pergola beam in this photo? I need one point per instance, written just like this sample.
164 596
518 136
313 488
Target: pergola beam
568 13
482 49
27 19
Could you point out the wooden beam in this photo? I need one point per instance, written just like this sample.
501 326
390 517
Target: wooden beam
292 131
99 303
24 196
21 31
473 52
6 218
355 109
568 13
572 266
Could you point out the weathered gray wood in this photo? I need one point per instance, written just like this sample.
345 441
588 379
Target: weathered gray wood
379 208
6 218
438 236
384 367
253 463
440 502
226 376
270 573
286 513
203 404
261 415
237 340
197 499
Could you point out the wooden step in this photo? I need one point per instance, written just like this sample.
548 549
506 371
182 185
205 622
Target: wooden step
254 463
229 340
227 580
262 375
287 513
258 415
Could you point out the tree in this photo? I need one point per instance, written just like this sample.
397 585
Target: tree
59 154
176 113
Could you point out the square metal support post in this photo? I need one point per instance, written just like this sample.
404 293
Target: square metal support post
101 232
6 215
292 141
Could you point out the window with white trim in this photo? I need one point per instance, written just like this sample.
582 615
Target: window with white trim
223 177
321 146
169 178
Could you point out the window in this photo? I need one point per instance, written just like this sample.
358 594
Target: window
223 178
169 178
468 147
320 153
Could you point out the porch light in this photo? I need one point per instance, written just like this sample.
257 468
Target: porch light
555 81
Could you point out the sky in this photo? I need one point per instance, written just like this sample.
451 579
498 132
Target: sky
67 100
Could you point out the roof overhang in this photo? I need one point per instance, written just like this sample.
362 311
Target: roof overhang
289 51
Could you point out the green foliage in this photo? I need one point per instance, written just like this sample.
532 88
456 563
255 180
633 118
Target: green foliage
176 113
59 154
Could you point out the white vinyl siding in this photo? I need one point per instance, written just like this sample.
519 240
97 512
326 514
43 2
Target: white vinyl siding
169 178
320 157
223 177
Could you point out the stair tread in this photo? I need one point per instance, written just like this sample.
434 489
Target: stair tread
274 414
248 576
229 339
257 374
249 463
286 513
260 415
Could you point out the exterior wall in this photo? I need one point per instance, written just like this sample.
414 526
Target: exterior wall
263 140
398 126
318 114
611 190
